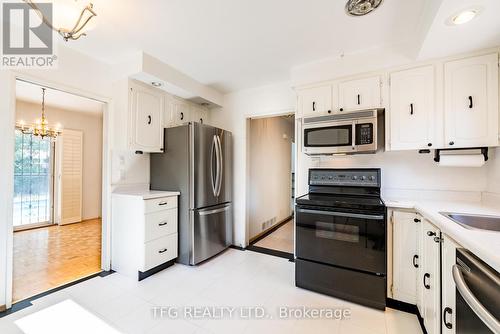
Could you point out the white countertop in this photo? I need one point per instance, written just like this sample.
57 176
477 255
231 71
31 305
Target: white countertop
146 194
484 244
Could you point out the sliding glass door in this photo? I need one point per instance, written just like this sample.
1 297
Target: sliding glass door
33 181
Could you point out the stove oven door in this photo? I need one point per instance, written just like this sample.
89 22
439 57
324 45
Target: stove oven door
349 240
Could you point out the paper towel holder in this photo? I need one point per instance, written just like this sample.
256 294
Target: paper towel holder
437 152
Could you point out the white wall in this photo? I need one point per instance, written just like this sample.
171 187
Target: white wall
91 126
270 171
269 100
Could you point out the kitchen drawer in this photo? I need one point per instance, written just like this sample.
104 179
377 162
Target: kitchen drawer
159 251
159 224
158 204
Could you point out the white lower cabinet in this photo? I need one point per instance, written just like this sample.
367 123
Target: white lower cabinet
448 311
406 257
144 234
431 277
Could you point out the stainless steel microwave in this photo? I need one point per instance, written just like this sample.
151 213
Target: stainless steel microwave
361 131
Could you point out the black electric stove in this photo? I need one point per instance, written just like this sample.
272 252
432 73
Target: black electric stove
341 236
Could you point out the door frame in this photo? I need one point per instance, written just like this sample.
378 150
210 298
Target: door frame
106 175
248 119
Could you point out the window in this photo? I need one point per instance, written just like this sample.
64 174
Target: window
33 182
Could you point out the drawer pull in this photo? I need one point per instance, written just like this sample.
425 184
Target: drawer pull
163 224
427 286
162 203
162 251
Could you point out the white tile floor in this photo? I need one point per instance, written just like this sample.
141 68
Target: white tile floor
233 279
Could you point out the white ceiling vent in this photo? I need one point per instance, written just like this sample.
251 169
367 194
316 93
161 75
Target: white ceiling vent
361 7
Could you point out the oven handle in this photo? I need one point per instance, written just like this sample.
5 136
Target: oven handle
476 306
342 214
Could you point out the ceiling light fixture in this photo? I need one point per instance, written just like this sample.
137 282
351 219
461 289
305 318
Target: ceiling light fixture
74 33
41 127
361 7
156 83
464 17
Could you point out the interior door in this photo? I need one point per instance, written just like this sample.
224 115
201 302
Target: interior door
212 231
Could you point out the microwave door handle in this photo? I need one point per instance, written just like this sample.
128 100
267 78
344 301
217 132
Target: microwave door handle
353 135
476 306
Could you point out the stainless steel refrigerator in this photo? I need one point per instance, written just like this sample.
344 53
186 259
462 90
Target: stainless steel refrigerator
197 161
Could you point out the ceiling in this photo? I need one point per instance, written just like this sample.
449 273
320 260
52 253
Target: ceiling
32 93
236 44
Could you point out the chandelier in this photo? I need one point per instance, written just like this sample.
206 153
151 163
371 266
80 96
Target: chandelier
76 31
41 127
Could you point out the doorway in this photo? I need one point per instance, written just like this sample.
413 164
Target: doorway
271 185
57 189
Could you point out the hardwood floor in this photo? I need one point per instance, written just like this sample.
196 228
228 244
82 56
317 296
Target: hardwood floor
47 257
281 239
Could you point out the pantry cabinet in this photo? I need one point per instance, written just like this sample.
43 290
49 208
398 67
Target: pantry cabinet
406 257
146 111
316 101
431 277
471 102
360 94
412 109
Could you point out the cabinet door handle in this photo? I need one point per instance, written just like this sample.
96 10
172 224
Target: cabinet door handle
414 260
427 286
163 203
451 143
182 116
163 224
431 234
201 120
411 108
314 106
359 99
430 144
149 119
416 220
449 311
471 104
162 251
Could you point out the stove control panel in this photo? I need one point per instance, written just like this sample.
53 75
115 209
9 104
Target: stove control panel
369 177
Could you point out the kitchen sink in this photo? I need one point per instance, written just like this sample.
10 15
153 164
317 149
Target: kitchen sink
490 223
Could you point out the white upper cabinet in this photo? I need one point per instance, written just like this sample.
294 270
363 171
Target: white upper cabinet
180 111
315 101
199 114
146 111
412 112
471 102
360 94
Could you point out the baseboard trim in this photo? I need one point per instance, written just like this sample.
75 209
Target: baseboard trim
237 247
142 275
408 308
22 304
265 233
273 252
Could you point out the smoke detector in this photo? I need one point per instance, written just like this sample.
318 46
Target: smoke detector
361 7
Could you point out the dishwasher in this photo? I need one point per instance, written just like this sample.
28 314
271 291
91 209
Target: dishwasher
477 295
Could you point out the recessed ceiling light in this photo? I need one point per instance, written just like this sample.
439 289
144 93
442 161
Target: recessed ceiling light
156 83
463 17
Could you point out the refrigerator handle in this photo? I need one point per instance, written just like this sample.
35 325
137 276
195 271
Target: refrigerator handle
217 163
221 166
212 149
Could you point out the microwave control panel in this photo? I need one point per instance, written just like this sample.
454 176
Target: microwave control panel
364 134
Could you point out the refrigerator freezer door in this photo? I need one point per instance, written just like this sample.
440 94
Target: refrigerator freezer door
212 231
210 165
